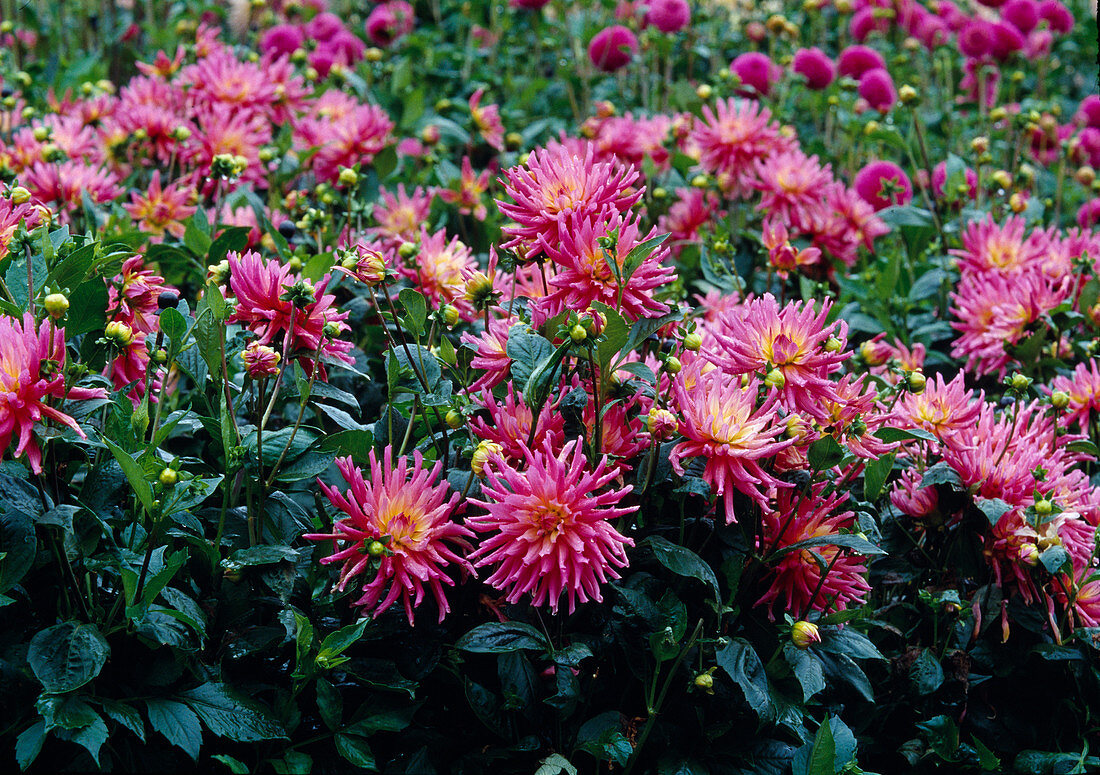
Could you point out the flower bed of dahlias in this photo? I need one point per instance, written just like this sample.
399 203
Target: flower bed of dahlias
660 386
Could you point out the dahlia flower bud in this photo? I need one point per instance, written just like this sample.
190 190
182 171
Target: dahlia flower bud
1059 399
41 133
661 423
119 333
218 273
348 177
673 365
57 304
1002 178
301 294
908 95
1028 554
376 548
705 681
408 250
486 450
804 634
479 290
168 477
454 419
365 265
775 379
260 360
594 322
693 342
704 91
450 315
833 345
798 427
1043 507
20 195
578 334
915 381
1019 383
1085 175
1017 202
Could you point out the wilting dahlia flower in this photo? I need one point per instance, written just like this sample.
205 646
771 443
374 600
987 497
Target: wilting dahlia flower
409 514
551 527
31 363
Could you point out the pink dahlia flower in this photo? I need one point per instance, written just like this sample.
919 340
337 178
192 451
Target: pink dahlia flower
398 216
282 40
722 424
759 336
756 71
668 15
1083 388
792 187
854 61
612 48
556 183
551 527
814 65
32 361
877 87
407 512
258 286
509 424
390 21
584 274
731 138
797 586
882 184
942 408
1000 248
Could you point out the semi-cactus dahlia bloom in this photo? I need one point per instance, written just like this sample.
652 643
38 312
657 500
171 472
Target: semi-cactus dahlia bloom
584 274
407 511
132 296
161 210
439 270
551 527
259 285
760 336
31 373
988 246
730 140
792 187
721 423
557 183
399 215
941 409
509 424
1083 389
797 584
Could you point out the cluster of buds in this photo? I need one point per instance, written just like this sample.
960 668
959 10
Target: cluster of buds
301 294
228 166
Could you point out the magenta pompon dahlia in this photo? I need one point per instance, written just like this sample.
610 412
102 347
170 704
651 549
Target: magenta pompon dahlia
408 512
550 525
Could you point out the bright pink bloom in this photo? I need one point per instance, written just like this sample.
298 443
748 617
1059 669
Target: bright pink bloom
32 377
797 586
792 187
668 15
132 296
732 138
491 348
584 274
693 209
400 215
815 66
877 87
551 530
1056 15
407 512
438 270
1022 14
282 40
722 424
160 210
612 48
991 247
468 196
756 71
939 180
556 184
865 21
759 336
258 286
348 139
911 499
389 21
509 424
487 120
854 61
942 408
883 183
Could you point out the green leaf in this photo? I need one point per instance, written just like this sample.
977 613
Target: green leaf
234 238
890 435
875 475
87 308
236 766
67 656
1054 558
261 555
824 751
197 238
806 668
124 714
943 736
555 764
526 350
227 715
329 703
134 474
683 562
501 638
177 722
416 309
926 673
356 750
173 324
336 643
824 453
29 744
942 473
740 662
645 328
993 508
18 546
637 256
845 540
